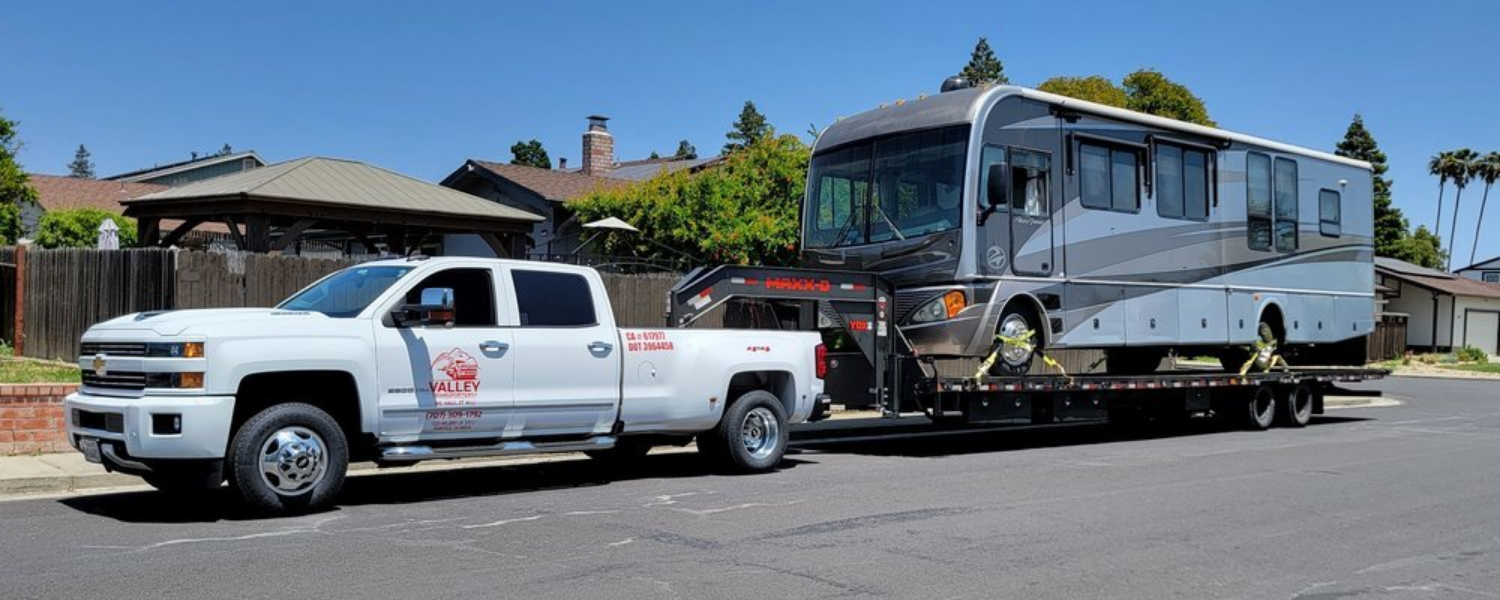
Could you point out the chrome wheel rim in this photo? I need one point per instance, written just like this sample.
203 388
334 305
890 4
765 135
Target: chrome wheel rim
760 433
293 460
1015 327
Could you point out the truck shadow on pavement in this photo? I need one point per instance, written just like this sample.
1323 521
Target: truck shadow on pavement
403 486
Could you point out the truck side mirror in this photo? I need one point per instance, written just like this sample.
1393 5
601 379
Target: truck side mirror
435 308
994 192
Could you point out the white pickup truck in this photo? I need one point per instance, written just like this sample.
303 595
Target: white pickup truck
398 361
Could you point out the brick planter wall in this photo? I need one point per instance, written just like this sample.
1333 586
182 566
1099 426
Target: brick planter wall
32 419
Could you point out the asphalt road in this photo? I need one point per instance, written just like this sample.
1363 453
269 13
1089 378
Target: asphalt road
1395 502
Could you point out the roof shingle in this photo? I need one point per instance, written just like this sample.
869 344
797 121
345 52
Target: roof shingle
67 193
551 184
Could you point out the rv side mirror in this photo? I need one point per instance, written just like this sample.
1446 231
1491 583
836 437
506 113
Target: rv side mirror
435 308
994 193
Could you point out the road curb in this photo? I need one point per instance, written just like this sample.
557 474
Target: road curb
55 484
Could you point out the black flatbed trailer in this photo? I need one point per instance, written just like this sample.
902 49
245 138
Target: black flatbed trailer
855 308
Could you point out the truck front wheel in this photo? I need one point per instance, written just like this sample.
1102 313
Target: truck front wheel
288 458
752 434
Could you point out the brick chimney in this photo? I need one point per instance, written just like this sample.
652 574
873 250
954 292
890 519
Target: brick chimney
598 147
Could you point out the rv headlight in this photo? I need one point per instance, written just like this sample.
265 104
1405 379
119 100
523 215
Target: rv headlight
942 307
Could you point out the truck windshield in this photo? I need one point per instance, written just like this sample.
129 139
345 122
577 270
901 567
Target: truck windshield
346 293
891 188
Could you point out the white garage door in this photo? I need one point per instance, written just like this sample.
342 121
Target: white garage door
1482 329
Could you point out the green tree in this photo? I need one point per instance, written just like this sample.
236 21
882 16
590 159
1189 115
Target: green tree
685 151
654 155
983 67
1423 248
81 167
1152 93
1487 169
744 211
1461 171
751 127
1390 225
79 228
1093 88
530 154
15 186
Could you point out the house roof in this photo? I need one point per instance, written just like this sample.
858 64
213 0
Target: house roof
55 192
641 170
551 184
1481 264
186 165
1436 280
337 183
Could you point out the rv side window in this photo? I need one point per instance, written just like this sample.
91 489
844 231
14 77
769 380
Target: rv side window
1028 183
1329 213
1109 178
1286 205
1181 183
1258 200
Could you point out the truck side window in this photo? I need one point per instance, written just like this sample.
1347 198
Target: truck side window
473 295
548 299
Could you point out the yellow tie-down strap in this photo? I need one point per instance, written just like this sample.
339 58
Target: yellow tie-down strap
1023 342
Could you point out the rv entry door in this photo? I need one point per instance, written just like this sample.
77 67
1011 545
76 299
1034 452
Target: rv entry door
1031 212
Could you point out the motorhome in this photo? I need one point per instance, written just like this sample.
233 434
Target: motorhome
1010 211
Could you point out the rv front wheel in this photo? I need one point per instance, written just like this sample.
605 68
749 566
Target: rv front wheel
1018 338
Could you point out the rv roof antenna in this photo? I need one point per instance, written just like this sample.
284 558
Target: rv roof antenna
954 83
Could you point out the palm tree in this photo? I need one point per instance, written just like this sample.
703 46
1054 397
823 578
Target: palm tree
1440 166
1487 168
1461 171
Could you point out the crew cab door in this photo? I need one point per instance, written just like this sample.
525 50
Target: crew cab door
566 352
447 382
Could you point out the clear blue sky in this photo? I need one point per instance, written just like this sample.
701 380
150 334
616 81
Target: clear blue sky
419 87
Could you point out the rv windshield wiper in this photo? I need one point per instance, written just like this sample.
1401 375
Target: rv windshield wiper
894 229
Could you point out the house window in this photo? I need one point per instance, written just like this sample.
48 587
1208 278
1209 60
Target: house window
1109 178
1286 205
1258 200
1329 213
1181 184
1492 277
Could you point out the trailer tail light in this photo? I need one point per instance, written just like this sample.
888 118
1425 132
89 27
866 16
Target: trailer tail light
820 359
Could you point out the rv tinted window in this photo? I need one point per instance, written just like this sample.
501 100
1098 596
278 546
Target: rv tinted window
992 155
1109 178
1286 205
1329 213
548 299
1181 182
1258 200
843 189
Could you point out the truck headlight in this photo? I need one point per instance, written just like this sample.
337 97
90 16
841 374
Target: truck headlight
942 307
175 381
175 350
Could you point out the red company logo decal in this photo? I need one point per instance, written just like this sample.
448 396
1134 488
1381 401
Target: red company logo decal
455 375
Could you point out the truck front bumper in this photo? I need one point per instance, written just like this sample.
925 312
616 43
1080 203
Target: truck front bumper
130 432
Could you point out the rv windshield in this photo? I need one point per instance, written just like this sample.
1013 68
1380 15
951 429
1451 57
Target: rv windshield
892 188
345 293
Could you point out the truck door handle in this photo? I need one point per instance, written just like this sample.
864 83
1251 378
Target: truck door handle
493 346
600 348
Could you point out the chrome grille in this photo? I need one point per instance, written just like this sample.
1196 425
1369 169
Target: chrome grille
114 348
115 380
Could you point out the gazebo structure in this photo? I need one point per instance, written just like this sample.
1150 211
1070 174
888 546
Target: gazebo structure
269 209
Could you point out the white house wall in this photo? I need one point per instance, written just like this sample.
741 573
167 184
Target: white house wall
1467 307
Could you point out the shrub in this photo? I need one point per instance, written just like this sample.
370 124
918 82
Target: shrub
79 228
1472 354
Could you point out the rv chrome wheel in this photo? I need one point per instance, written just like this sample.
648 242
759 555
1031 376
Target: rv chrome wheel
1016 327
293 461
760 433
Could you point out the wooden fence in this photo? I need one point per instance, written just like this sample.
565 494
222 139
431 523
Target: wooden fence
1389 340
67 290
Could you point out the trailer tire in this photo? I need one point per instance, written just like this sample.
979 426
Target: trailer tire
289 458
751 436
1259 411
1295 408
